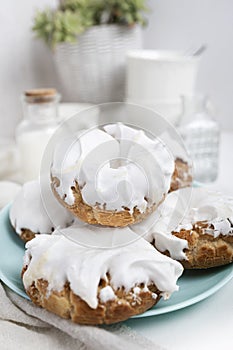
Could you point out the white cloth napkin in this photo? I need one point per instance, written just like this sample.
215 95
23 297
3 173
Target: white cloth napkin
26 326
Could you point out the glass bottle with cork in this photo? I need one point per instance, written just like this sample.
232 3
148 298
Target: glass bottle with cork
40 110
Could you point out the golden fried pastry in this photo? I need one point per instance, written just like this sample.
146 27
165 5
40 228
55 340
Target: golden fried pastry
182 176
113 176
193 226
95 275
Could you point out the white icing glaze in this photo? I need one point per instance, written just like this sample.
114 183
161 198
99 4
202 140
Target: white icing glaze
137 290
107 294
149 154
116 167
155 296
114 187
128 259
209 206
28 210
180 210
79 157
175 246
162 240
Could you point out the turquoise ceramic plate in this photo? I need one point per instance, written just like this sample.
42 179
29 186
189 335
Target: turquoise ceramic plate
194 285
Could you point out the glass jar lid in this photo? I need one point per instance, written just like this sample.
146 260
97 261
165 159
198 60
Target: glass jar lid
44 95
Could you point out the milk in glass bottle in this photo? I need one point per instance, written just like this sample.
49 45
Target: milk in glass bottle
33 133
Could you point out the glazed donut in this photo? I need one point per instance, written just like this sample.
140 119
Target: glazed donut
95 275
114 176
182 176
28 214
193 226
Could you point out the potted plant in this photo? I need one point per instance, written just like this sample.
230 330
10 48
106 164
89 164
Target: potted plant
89 39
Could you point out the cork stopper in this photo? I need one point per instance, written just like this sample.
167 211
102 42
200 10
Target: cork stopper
40 95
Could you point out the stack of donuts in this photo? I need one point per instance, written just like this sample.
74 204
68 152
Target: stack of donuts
117 226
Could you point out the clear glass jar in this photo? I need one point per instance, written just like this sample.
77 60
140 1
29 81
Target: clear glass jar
40 110
200 133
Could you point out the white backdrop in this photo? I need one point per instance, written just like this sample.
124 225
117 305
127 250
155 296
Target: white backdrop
179 24
173 24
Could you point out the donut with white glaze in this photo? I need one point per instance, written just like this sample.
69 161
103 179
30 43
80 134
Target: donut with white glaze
29 216
114 176
193 226
96 275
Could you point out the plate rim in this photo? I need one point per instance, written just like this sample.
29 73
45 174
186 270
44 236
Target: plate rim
189 302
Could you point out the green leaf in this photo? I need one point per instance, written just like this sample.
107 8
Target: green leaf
73 17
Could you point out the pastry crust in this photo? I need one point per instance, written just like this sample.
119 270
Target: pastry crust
205 250
95 216
70 306
26 235
182 176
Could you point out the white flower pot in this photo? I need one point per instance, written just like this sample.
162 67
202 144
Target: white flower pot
93 69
